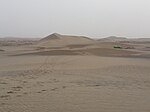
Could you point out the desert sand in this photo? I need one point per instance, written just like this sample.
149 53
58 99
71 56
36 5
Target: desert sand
61 73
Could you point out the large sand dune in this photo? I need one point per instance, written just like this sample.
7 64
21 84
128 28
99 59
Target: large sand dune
55 40
75 74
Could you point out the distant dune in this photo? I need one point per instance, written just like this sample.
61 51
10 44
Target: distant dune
57 44
120 39
141 39
62 40
18 39
113 39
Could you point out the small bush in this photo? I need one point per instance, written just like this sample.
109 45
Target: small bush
117 47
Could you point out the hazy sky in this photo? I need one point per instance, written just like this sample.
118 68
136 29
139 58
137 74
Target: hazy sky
95 18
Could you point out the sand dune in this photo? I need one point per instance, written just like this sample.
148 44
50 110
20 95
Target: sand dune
119 39
75 74
55 40
88 51
113 39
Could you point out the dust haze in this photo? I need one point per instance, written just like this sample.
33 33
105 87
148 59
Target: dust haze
94 18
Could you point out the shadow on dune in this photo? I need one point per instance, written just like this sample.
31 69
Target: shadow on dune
89 51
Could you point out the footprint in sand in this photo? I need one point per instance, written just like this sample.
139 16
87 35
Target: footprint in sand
17 88
54 89
25 93
3 103
3 83
18 95
4 96
41 91
63 87
10 92
24 81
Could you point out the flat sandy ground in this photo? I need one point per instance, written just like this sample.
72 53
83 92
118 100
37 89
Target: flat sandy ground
73 82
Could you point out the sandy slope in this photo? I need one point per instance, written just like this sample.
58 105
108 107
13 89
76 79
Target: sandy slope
56 40
91 77
74 83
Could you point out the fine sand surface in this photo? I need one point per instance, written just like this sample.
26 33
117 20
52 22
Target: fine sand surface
85 77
